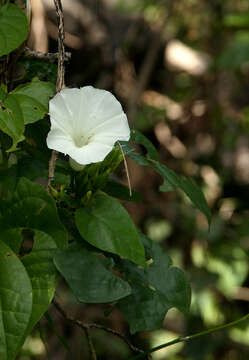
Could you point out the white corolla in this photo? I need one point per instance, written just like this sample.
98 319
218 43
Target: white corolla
86 123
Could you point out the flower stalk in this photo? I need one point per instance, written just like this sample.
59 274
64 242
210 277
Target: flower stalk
190 337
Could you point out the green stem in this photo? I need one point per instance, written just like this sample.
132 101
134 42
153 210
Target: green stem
191 337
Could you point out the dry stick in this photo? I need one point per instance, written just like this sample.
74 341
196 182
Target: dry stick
28 53
84 327
96 326
61 48
90 344
60 76
126 168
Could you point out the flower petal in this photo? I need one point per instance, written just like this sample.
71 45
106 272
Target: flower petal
117 127
59 140
97 106
63 108
86 123
91 153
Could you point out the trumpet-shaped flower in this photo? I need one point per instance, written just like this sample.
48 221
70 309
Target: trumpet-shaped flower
86 123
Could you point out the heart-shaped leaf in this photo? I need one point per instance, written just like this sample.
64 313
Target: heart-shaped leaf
15 303
75 264
42 274
108 226
33 99
11 118
13 28
155 290
24 105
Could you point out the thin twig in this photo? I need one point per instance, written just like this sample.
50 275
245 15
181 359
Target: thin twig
61 48
28 53
90 344
84 327
60 76
96 326
126 169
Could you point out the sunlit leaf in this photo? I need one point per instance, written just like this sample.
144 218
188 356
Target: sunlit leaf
42 274
11 118
33 99
108 226
25 105
13 28
15 303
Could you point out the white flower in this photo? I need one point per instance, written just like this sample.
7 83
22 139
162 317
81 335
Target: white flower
86 123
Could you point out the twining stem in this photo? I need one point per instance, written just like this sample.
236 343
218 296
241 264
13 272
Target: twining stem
60 77
190 337
61 47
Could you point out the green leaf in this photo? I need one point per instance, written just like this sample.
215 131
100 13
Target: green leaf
11 119
187 186
76 264
32 207
237 20
27 189
121 192
15 303
3 92
12 238
43 275
155 290
13 28
33 99
166 187
8 181
236 54
108 226
139 138
171 180
25 105
144 309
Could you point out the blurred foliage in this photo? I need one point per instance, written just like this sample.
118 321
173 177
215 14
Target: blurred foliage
43 69
213 127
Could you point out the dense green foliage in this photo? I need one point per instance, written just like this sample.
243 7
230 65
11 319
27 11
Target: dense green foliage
81 229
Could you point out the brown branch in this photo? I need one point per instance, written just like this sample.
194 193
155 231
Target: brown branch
61 48
28 53
90 344
60 76
85 326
